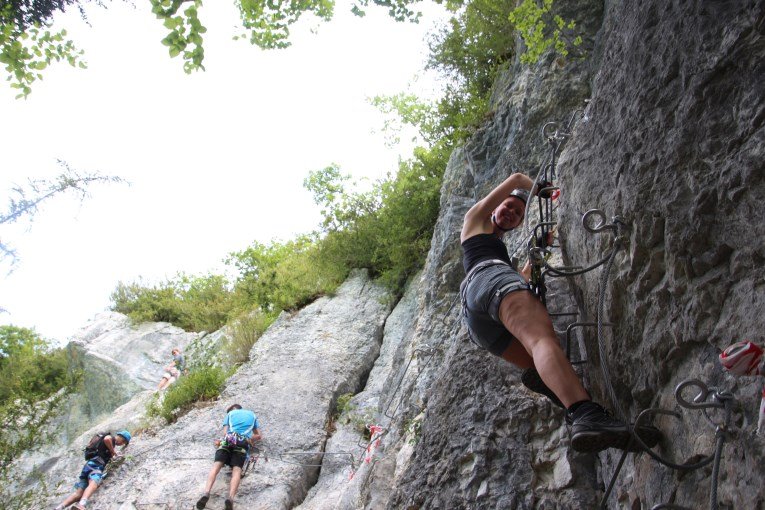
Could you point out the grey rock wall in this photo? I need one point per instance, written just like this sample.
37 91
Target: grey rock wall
482 440
345 485
674 143
119 359
120 362
297 370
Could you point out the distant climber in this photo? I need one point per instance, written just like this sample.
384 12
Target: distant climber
240 431
505 318
174 370
98 453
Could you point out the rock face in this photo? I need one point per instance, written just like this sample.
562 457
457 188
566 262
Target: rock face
296 372
120 360
672 142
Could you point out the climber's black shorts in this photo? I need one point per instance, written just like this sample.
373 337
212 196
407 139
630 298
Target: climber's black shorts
482 291
234 457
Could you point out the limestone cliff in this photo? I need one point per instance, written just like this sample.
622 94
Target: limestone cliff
122 357
672 142
297 371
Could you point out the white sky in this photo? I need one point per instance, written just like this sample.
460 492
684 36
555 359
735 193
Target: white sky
215 159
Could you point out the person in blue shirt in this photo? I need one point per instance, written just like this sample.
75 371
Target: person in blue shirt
240 431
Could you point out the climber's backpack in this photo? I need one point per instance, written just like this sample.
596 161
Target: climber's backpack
92 449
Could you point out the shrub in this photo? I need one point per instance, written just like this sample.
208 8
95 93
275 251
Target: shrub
469 50
284 275
30 368
34 383
243 333
393 239
194 303
203 384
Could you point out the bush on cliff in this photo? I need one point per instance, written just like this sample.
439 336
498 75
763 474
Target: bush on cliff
35 379
194 303
386 230
203 384
391 238
243 333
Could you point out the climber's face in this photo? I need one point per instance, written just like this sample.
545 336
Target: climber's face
509 213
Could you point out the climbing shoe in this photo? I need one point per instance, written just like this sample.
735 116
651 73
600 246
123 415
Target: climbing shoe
531 379
203 502
594 429
649 434
229 505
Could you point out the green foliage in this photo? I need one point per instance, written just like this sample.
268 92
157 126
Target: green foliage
269 23
35 379
397 9
344 403
194 303
476 40
270 278
28 46
29 368
244 332
541 29
391 235
203 384
469 51
283 275
185 36
413 429
153 407
348 414
407 109
404 225
339 208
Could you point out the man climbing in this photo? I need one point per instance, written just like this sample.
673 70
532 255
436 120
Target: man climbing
174 370
98 453
505 318
240 431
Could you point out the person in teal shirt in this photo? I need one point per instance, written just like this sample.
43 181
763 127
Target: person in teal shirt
240 430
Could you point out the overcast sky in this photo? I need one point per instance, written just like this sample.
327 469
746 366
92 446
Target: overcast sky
215 159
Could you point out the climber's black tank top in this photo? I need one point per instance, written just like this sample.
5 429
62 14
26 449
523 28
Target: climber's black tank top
483 247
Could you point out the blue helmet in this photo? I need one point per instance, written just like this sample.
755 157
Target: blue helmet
126 435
